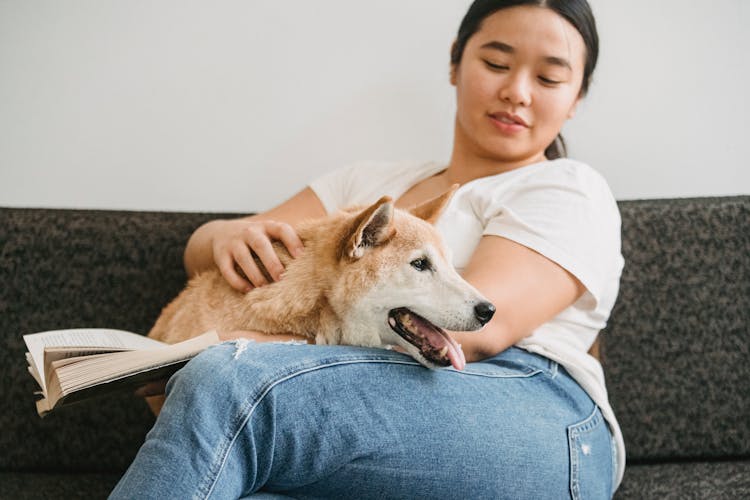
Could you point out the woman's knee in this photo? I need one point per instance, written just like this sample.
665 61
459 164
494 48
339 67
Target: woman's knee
207 381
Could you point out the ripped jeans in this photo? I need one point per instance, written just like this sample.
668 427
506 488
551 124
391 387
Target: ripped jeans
274 420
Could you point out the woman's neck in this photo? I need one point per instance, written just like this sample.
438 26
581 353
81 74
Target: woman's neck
465 167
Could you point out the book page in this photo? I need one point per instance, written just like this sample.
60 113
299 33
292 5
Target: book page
117 340
33 372
131 381
79 372
76 379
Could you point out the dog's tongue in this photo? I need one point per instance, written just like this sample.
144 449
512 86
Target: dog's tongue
439 340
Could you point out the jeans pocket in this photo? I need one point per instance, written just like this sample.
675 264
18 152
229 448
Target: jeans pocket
590 447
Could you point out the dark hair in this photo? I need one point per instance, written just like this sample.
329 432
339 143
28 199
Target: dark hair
576 12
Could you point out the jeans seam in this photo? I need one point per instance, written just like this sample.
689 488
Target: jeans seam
574 489
528 374
614 463
248 411
574 432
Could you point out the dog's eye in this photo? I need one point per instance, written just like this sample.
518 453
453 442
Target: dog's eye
422 264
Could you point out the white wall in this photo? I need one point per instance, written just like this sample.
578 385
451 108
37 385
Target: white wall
669 113
234 105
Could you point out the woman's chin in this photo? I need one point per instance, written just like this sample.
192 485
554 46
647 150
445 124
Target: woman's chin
513 156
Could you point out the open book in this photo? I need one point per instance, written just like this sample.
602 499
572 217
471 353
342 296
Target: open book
79 364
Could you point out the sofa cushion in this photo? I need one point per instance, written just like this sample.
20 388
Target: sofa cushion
676 352
683 481
32 486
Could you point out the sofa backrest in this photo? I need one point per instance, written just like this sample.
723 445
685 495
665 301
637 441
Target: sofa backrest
676 352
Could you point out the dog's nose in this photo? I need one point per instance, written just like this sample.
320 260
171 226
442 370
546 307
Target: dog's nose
484 312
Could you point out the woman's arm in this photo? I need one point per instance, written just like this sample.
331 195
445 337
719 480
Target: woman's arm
226 244
527 289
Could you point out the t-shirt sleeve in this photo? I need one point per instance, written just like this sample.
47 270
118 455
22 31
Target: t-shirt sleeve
334 189
570 217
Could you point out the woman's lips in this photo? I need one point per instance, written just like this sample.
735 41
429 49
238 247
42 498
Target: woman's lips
507 123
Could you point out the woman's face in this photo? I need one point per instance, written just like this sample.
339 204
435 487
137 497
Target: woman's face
518 81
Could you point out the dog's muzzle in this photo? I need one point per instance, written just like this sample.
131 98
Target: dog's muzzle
436 346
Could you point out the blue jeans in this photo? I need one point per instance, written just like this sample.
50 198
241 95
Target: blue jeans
303 421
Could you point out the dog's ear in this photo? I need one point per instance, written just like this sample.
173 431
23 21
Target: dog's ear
431 210
372 227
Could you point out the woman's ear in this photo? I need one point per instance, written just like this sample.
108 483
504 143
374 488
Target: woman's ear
574 107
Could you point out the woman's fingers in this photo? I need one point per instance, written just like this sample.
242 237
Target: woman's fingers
234 252
226 265
288 236
243 258
260 243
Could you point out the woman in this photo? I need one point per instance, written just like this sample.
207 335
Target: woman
536 233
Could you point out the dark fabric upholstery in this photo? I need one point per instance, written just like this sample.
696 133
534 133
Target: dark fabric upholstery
676 351
36 486
70 269
686 481
677 347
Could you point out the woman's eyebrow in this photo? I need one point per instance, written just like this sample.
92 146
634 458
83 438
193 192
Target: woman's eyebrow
558 61
508 49
502 47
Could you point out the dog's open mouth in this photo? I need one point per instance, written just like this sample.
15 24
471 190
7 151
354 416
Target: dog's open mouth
434 344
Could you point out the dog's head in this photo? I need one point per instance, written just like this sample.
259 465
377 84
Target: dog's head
396 274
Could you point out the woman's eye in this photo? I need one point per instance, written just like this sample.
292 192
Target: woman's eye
422 264
498 67
548 81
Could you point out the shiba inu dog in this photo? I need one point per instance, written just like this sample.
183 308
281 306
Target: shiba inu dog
374 277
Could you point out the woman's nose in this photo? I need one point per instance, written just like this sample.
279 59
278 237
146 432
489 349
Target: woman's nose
516 89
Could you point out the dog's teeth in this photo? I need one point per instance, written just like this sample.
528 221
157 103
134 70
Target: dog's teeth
392 322
443 351
406 320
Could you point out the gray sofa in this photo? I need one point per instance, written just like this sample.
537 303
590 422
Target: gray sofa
676 351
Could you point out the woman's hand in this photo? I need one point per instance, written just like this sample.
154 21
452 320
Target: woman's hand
228 243
235 241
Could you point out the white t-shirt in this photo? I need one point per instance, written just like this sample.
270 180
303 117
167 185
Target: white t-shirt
562 209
